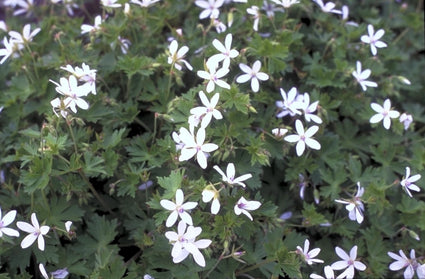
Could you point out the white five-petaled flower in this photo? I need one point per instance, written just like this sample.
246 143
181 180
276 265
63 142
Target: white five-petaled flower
72 92
373 39
403 262
6 221
254 11
35 232
384 113
308 256
355 206
208 110
303 138
406 119
329 274
309 109
361 77
291 103
407 182
11 47
84 74
214 76
26 36
184 243
211 8
279 132
178 209
328 7
210 193
226 51
243 206
85 28
177 56
286 3
229 176
348 262
252 74
196 146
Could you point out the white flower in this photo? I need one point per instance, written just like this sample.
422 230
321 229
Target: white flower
178 209
286 3
26 36
229 176
210 193
6 221
279 132
406 119
303 138
68 225
10 47
243 206
85 28
309 109
328 7
184 243
270 9
43 271
59 106
72 92
309 256
361 77
177 140
214 77
373 39
383 113
220 27
403 262
84 74
355 206
255 11
144 3
329 274
110 3
226 51
208 110
345 11
35 232
348 262
407 182
211 8
177 56
290 104
196 146
252 74
25 7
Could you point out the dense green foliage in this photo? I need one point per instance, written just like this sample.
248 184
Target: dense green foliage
93 167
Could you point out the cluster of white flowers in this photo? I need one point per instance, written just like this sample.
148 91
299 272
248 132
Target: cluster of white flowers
411 264
72 92
14 45
34 231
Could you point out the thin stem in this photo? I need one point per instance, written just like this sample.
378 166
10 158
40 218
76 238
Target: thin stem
216 264
72 136
266 261
93 190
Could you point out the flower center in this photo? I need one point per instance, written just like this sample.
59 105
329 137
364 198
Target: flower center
241 205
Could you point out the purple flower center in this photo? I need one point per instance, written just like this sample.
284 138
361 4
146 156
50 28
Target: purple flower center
241 205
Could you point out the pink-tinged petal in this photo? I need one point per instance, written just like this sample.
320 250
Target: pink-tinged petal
342 254
189 205
359 266
44 230
243 78
339 265
353 252
24 226
292 138
255 85
10 216
41 242
171 236
187 153
179 197
169 205
183 255
245 68
300 148
171 220
376 118
9 232
202 159
209 147
28 240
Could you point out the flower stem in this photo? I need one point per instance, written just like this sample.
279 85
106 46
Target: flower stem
266 261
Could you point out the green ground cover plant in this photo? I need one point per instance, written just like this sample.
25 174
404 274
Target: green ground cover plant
212 139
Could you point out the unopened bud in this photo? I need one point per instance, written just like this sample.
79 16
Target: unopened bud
414 235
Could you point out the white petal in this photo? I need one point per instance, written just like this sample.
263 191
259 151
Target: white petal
9 232
28 240
10 216
342 254
171 219
41 242
300 147
215 206
24 226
